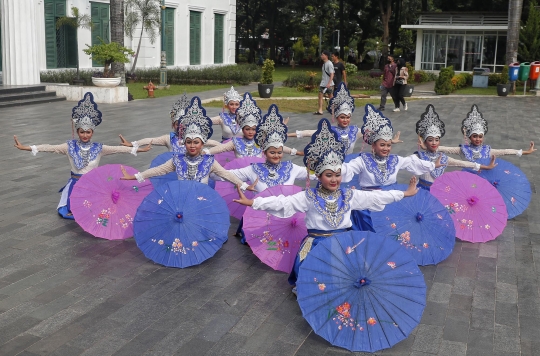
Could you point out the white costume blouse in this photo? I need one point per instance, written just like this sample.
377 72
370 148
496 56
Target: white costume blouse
284 207
447 161
284 173
348 136
94 160
244 148
484 152
165 140
229 126
371 176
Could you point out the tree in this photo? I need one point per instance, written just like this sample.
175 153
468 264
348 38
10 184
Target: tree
75 22
147 15
512 38
117 35
385 7
529 41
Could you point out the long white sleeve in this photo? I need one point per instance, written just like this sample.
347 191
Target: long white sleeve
282 206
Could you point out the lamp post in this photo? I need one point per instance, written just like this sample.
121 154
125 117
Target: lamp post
338 47
320 39
163 66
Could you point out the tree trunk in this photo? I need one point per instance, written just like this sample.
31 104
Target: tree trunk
512 39
385 7
117 35
341 32
137 52
397 24
424 5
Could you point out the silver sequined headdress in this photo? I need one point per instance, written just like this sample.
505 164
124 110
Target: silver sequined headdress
325 151
195 124
231 95
179 107
376 126
248 114
342 102
429 124
474 123
271 132
86 115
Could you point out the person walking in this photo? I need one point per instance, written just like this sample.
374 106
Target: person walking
327 83
340 74
402 74
388 81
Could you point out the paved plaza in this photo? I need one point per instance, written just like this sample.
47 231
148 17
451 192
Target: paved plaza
64 292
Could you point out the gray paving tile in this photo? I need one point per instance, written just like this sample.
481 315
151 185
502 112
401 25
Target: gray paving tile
18 344
480 342
452 348
434 313
428 338
482 319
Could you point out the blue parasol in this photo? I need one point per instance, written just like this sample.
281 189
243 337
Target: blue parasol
181 224
169 177
361 291
421 224
511 183
354 182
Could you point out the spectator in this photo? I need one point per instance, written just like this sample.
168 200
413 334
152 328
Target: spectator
402 74
326 85
388 81
340 74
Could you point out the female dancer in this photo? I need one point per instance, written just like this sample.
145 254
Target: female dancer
249 116
341 106
170 140
379 168
327 207
195 128
228 120
83 155
430 130
475 127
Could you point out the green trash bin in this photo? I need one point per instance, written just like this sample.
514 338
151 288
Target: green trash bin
524 70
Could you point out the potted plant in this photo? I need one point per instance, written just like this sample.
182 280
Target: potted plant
107 53
503 87
266 86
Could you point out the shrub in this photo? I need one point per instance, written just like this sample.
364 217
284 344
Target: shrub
494 79
443 85
410 70
66 76
296 79
461 80
363 83
299 49
421 76
351 68
504 75
267 72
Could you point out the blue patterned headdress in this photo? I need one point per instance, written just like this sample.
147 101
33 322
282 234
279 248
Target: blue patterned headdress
86 115
271 132
474 123
179 107
429 124
342 102
248 113
325 151
194 123
376 126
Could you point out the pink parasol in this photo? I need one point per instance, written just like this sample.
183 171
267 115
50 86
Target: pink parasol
275 240
225 157
476 207
104 206
228 191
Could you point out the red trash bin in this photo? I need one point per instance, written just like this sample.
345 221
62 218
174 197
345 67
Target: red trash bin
535 70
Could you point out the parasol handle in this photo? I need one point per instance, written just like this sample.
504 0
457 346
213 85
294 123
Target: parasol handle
419 217
472 200
495 183
115 196
361 282
294 222
179 217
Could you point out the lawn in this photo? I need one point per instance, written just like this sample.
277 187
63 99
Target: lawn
136 89
487 91
280 92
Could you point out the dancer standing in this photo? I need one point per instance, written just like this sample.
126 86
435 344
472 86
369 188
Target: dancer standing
227 119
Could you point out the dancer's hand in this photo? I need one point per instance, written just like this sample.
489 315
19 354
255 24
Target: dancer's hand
251 187
411 189
421 143
492 164
243 200
145 148
438 162
125 142
20 146
530 150
286 121
396 139
126 175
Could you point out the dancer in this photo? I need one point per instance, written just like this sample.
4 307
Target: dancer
379 168
195 128
83 155
170 140
228 120
474 128
249 116
327 207
341 106
430 130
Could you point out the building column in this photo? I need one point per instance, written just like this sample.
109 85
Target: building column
419 42
19 41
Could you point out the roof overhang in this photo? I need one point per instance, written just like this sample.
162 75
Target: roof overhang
456 27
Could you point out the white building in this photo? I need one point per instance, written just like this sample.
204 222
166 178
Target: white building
463 40
197 33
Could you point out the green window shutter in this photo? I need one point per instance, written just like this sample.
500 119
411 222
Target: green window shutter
71 47
53 10
218 38
100 19
169 35
0 48
194 37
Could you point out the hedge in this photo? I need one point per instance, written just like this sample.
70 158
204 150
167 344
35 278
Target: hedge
443 85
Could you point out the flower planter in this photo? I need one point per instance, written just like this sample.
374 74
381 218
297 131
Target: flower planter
504 89
265 90
106 82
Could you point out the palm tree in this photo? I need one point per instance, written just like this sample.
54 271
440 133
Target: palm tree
146 15
77 20
514 21
117 35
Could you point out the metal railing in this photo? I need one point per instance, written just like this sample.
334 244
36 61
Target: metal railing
462 19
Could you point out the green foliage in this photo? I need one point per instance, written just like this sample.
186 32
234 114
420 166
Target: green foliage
421 76
504 75
298 79
462 80
410 70
231 74
443 85
363 83
145 13
351 68
494 79
267 72
406 40
529 40
76 21
108 53
299 50
312 49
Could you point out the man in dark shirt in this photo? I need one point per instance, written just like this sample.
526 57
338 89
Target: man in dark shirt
388 81
340 74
